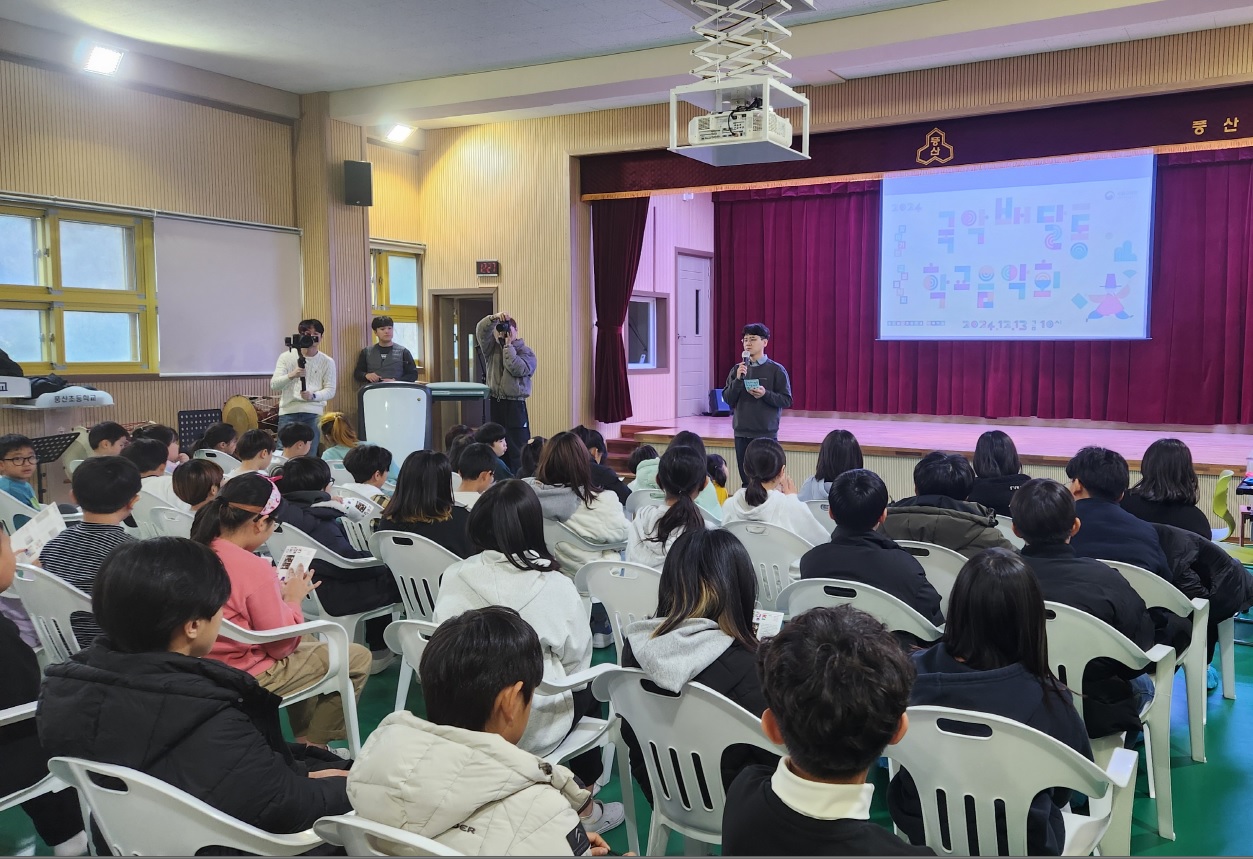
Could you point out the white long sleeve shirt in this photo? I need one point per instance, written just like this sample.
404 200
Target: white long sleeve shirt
319 377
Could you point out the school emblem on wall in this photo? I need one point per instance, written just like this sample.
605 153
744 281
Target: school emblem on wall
937 150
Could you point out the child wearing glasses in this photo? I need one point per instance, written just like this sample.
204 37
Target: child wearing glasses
757 390
17 467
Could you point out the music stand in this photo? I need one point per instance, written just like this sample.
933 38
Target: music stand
49 448
193 423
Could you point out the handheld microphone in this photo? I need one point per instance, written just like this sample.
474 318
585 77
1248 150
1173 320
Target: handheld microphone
744 358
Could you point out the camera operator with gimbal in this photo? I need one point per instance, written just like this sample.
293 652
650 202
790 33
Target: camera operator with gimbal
510 366
305 376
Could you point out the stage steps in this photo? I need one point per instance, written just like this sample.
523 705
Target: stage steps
621 448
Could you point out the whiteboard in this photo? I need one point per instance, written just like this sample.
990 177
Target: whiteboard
227 295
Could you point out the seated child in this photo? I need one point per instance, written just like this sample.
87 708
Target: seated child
296 440
369 466
142 696
858 552
255 450
107 438
149 456
563 483
840 452
602 475
477 468
17 467
196 482
493 435
816 801
530 456
716 465
423 504
339 437
770 495
1098 479
654 529
641 454
234 525
479 673
221 437
939 513
107 488
646 472
168 437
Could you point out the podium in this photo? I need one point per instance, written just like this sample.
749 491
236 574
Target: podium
398 415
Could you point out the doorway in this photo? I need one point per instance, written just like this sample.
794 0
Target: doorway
692 356
456 356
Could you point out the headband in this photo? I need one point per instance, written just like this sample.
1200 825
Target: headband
270 506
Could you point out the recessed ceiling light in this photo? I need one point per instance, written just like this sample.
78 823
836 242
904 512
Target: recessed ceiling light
102 60
399 133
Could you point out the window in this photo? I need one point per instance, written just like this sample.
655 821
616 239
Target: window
396 291
645 333
77 291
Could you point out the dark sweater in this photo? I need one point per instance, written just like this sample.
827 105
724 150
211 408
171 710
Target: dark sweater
756 822
606 478
996 492
1186 516
1109 533
451 533
872 559
395 363
758 417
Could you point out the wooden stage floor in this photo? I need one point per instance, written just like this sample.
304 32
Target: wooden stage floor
911 436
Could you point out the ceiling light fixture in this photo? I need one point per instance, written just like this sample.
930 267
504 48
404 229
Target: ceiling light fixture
102 60
399 133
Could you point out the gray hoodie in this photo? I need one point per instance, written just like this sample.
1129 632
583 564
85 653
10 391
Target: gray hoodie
676 657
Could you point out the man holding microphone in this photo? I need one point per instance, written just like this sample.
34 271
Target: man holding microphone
757 390
510 366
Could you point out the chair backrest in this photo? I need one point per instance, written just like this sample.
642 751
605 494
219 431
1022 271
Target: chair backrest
711 517
225 460
50 600
628 591
1006 526
683 737
143 816
339 474
142 513
376 510
361 837
892 612
1221 509
408 638
969 765
72 466
1075 638
643 498
418 565
773 549
556 533
1153 589
168 522
822 512
940 564
13 513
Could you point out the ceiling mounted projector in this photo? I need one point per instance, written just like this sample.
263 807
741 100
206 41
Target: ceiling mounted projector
739 88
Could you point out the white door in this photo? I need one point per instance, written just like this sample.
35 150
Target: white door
692 340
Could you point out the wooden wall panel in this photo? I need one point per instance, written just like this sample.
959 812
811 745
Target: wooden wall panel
397 180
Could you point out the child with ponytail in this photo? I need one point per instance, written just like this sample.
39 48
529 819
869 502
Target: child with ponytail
682 475
770 495
234 524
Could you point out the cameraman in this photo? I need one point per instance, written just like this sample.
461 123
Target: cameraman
510 365
305 376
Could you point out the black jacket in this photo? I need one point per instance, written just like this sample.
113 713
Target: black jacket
606 478
996 492
1200 568
451 533
1109 705
872 559
733 674
197 724
756 822
1110 533
1010 692
342 591
1186 516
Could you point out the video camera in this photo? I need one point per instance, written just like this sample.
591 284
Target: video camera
300 341
502 329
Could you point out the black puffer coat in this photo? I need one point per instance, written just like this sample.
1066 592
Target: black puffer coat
1200 568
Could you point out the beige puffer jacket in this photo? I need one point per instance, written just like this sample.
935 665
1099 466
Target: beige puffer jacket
474 792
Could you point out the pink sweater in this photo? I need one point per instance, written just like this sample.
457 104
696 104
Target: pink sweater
255 603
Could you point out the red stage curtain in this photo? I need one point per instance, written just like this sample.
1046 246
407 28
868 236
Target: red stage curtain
804 260
617 239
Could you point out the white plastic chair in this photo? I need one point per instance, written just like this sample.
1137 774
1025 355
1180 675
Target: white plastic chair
335 679
1159 593
641 498
940 564
892 612
168 522
359 837
72 466
50 600
1074 639
628 592
339 474
13 513
144 816
288 535
711 517
687 734
559 534
47 784
1003 766
1006 526
418 564
822 512
773 550
225 460
142 513
1227 656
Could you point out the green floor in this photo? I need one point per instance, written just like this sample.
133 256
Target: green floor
1211 799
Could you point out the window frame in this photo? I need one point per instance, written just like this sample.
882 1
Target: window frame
380 295
54 300
660 328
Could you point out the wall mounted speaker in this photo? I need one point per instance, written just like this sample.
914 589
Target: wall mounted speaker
358 183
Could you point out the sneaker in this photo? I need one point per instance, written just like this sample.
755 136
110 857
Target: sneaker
344 752
1211 678
602 632
604 816
382 661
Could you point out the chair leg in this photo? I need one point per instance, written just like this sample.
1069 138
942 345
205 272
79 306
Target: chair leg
1117 838
1227 656
1157 745
628 787
658 836
402 688
1194 673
